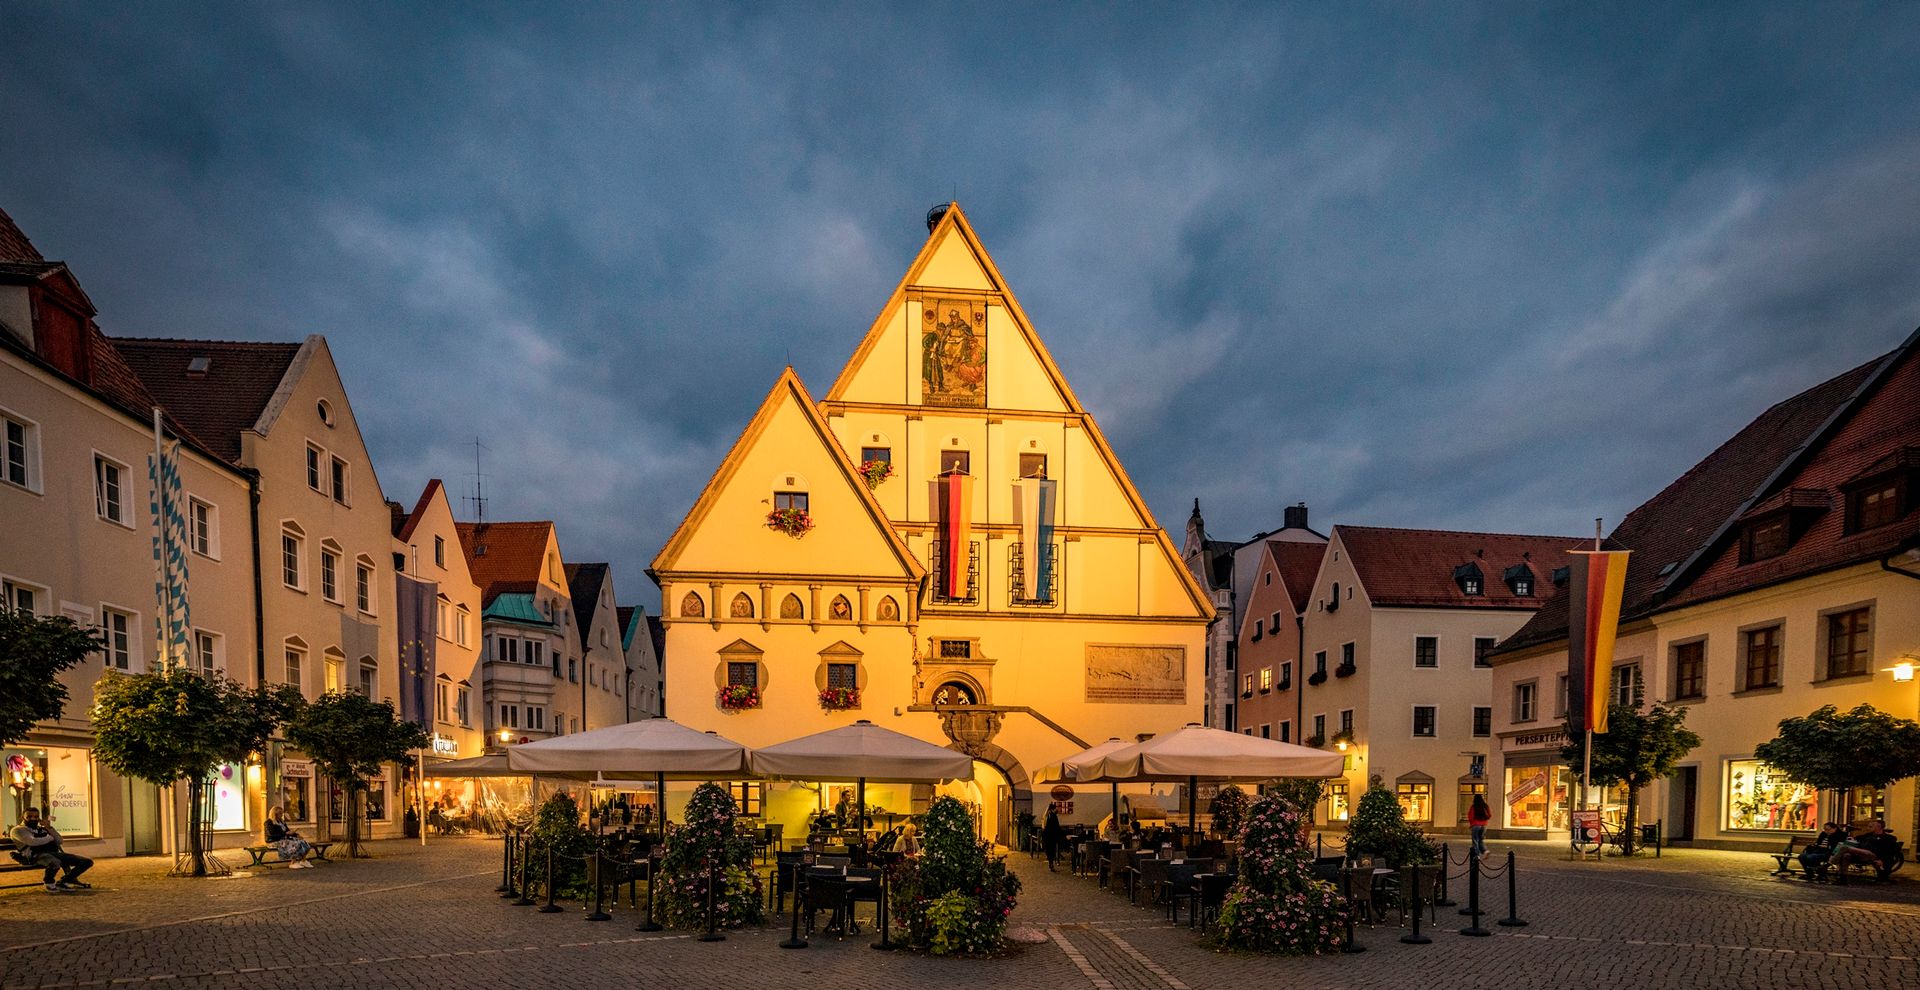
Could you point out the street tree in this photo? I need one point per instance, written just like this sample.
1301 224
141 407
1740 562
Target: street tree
350 736
1638 748
33 653
1836 751
174 725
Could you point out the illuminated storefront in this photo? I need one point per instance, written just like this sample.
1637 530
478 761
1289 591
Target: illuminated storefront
1337 808
1536 797
1759 799
296 790
58 779
1416 799
227 793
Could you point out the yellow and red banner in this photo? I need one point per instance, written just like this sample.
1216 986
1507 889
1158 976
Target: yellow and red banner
956 543
1596 581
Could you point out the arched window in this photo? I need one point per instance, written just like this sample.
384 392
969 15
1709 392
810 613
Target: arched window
790 608
742 607
953 693
691 607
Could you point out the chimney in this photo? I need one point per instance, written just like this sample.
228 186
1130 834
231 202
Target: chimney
1295 517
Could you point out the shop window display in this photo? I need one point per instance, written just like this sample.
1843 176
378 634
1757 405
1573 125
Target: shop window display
56 778
1416 800
1337 808
1536 797
1761 799
227 789
296 790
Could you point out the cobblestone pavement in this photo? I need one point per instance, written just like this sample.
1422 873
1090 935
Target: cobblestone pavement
429 918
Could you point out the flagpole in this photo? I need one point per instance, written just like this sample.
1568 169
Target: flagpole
1586 774
164 638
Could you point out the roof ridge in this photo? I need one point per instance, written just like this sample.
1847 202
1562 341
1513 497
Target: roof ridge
204 342
1456 532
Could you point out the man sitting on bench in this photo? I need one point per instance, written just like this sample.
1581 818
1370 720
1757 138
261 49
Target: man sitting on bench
1876 845
37 843
1813 860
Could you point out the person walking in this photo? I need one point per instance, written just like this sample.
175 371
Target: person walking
1050 835
1477 818
37 843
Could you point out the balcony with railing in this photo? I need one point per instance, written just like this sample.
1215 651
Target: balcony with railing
937 593
1046 593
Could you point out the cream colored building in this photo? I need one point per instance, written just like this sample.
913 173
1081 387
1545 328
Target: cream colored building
645 672
1778 575
950 378
427 548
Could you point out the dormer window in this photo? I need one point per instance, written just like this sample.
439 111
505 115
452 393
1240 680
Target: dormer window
1561 575
1764 538
1519 580
1469 578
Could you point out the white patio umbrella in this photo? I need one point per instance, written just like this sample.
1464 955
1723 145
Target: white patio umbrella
490 765
1197 753
1076 769
861 752
659 746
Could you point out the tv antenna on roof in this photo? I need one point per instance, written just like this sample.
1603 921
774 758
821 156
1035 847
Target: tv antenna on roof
478 500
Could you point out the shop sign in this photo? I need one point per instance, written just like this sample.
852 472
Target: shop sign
445 745
296 768
1061 792
1550 737
1526 787
1585 825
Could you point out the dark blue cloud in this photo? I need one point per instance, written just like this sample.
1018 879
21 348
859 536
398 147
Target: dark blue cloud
1510 267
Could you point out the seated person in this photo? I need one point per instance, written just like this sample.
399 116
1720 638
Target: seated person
1875 845
37 843
284 839
1814 858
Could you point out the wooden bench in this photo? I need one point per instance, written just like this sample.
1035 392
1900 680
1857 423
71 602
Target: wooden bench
259 853
1788 860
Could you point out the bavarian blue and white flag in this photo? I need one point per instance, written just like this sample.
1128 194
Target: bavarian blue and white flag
173 626
1034 503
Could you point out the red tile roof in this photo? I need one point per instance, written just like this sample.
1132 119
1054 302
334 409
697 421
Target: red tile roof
1678 524
1298 564
218 406
403 530
14 245
504 557
1415 567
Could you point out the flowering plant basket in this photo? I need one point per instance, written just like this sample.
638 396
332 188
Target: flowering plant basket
738 697
835 699
793 522
876 472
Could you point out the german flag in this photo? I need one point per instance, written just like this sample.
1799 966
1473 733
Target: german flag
1595 582
956 504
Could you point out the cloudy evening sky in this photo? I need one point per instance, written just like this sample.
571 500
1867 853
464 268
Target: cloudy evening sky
1505 267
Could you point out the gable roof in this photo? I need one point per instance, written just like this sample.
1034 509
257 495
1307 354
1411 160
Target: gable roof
584 581
657 631
403 530
624 615
1297 563
218 406
1416 567
14 245
1684 520
504 557
787 388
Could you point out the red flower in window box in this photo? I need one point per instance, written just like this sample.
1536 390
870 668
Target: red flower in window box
793 522
738 698
839 699
875 472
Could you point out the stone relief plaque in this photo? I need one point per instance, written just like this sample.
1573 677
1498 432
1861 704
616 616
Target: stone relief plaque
1138 675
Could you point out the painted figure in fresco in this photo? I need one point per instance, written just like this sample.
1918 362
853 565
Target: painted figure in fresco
932 368
953 362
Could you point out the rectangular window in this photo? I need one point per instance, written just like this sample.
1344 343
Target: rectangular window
1469 791
1337 808
463 703
330 575
1561 696
1286 675
1286 730
1483 645
109 481
206 652
1626 688
1761 658
440 551
340 481
1426 651
1033 465
1320 727
369 686
1847 643
536 718
1876 504
843 676
743 674
883 455
1690 669
203 530
535 652
20 598
1320 663
1346 720
460 624
1482 721
1266 730
956 462
1761 799
117 626
1246 686
316 479
510 716
1523 701
747 796
573 670
441 706
290 553
1346 656
294 660
363 589
1423 720
1266 679
1416 800
20 453
333 674
790 500
1764 539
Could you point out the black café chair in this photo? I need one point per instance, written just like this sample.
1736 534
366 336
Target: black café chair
1209 893
859 892
1179 885
785 865
1148 875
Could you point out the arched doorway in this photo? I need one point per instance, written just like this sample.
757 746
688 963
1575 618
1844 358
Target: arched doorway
999 791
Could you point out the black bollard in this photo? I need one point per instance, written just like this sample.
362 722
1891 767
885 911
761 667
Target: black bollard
1473 902
1414 895
885 944
526 853
794 941
512 836
1444 898
596 877
1349 947
550 907
1317 851
712 934
653 880
1512 920
506 862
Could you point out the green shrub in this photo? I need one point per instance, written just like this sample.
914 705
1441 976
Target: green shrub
557 826
1277 905
1380 828
955 897
1229 811
706 845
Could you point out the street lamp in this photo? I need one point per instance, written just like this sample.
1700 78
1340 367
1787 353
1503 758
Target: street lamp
1902 668
506 736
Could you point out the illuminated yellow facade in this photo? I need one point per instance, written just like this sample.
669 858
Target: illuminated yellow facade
1017 669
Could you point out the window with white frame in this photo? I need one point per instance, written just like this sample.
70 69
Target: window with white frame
1423 720
369 686
206 652
339 479
443 619
461 617
19 451
203 527
363 585
293 551
117 626
316 469
463 704
110 491
1523 701
330 575
296 661
440 551
441 707
21 597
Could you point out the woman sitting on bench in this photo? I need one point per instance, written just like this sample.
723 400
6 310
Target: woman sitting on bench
1813 859
286 841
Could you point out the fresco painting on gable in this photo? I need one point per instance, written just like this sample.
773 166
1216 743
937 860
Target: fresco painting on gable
953 353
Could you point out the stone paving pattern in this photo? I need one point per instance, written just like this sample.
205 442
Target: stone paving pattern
418 918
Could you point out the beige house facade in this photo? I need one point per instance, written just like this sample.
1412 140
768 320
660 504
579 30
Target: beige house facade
949 413
427 548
